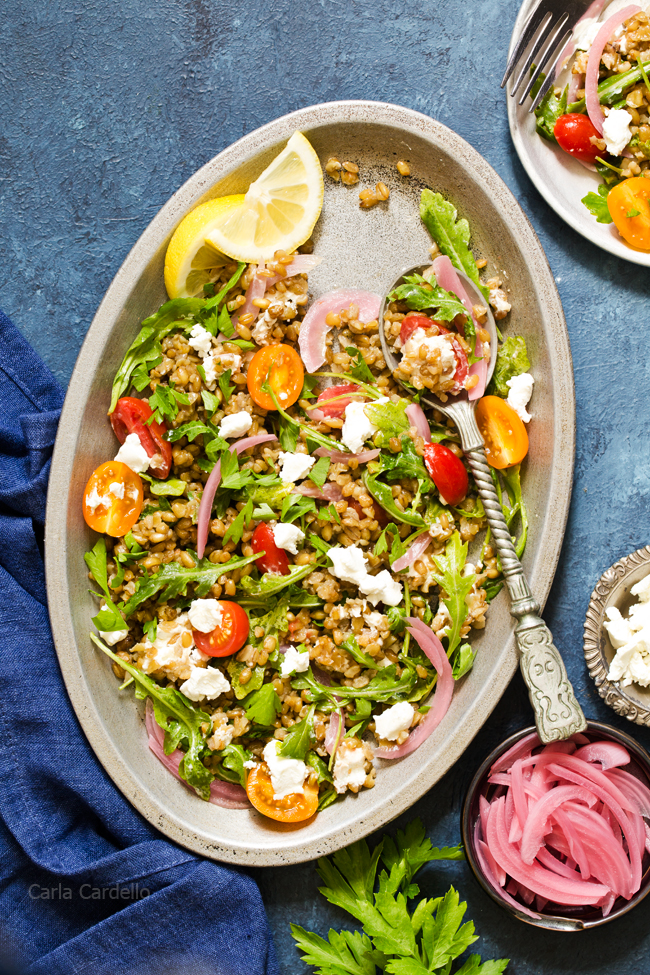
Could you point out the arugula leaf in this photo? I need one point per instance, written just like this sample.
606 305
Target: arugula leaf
316 762
383 687
140 377
235 669
231 477
355 651
288 435
318 473
420 293
225 385
145 348
232 764
295 506
390 418
512 360
596 203
110 618
262 705
463 662
359 368
512 477
173 579
451 235
195 429
297 742
407 463
179 719
454 587
549 110
384 496
269 584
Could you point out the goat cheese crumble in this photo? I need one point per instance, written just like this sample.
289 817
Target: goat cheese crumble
200 340
287 774
235 424
205 615
520 389
288 537
294 662
616 130
394 721
204 682
133 454
350 565
357 426
631 638
294 467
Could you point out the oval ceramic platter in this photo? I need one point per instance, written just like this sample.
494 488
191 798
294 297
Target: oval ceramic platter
562 180
360 248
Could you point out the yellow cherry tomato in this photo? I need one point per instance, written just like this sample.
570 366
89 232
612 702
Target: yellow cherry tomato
113 499
506 440
294 808
629 207
281 367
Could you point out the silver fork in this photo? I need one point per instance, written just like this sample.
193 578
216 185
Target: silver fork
551 25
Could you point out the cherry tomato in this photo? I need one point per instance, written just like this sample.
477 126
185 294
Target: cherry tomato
281 367
447 471
573 133
380 515
275 559
506 440
130 416
294 808
229 637
630 210
411 323
113 499
333 400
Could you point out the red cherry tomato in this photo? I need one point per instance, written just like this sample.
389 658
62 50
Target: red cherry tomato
447 471
275 559
229 637
462 367
130 416
573 133
333 400
411 323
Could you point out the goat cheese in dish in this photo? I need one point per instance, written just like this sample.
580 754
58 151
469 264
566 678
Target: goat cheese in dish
520 391
236 424
294 467
394 721
204 682
350 766
631 638
350 565
133 454
288 537
616 130
287 774
357 426
205 614
200 339
294 662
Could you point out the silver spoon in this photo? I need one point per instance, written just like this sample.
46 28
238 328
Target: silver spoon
557 712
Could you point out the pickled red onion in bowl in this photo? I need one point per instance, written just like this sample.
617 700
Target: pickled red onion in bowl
558 835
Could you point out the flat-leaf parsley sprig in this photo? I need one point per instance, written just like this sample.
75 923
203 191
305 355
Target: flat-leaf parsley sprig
396 939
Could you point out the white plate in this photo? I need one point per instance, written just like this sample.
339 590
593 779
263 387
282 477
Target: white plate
560 179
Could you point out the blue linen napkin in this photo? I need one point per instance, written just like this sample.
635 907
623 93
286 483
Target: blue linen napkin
86 885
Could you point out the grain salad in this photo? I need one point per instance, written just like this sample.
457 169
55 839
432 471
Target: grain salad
284 571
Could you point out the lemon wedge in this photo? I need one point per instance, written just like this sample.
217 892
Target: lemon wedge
190 261
279 210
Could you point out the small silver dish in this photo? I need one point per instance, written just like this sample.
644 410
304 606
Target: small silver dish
613 589
565 918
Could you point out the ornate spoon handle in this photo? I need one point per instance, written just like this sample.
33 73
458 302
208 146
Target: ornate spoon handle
557 712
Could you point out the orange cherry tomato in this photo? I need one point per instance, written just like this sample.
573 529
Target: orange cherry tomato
113 499
506 440
629 206
294 808
229 637
281 367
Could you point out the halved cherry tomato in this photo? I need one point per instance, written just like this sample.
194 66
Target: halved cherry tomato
229 637
281 367
506 440
104 510
574 133
447 471
630 210
294 808
130 416
333 400
411 324
275 559
380 515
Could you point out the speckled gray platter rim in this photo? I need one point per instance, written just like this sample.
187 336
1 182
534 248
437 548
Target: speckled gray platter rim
561 180
253 840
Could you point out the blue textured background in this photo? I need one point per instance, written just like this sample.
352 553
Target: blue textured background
107 108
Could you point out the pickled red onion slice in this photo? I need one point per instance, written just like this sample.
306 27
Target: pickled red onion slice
592 100
314 328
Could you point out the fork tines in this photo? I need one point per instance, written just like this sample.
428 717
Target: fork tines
549 27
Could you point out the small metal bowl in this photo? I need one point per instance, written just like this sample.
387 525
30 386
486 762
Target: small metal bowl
565 919
613 589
